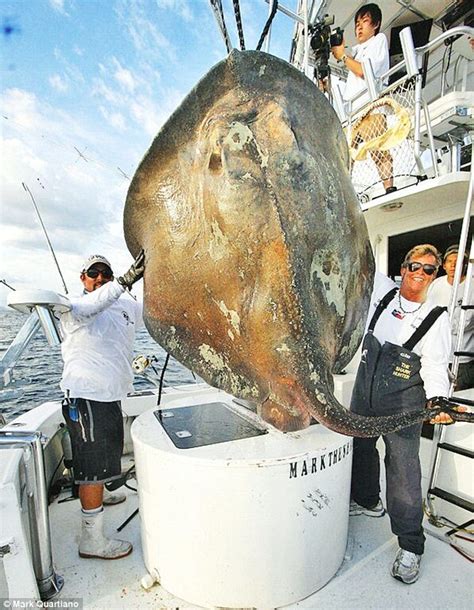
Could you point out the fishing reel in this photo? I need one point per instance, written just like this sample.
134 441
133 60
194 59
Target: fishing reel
141 362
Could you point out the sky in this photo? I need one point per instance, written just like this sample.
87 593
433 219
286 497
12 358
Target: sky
85 86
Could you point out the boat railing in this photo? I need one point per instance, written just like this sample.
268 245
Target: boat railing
407 93
49 583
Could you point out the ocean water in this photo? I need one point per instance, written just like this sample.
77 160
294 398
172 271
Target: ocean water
38 372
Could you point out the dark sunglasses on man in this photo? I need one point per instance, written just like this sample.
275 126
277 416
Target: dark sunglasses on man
107 274
428 269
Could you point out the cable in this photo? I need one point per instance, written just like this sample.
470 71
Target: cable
238 20
268 24
162 378
216 6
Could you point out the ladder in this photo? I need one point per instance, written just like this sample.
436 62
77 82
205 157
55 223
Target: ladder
439 437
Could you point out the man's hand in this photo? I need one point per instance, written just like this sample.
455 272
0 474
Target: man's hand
135 272
338 51
443 418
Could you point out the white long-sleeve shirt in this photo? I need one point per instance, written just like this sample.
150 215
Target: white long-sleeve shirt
97 347
376 48
440 293
397 327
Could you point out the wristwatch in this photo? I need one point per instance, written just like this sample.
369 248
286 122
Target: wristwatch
343 59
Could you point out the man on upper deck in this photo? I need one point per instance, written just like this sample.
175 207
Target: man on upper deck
372 45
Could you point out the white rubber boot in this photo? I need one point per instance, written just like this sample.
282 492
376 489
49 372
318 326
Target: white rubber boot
113 498
93 543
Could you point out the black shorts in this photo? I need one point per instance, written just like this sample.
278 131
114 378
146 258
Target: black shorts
96 431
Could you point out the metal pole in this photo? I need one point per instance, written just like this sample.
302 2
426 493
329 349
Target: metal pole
434 160
48 323
369 79
462 241
417 129
17 347
463 314
49 583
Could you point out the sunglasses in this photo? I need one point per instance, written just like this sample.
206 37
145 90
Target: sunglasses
428 269
107 274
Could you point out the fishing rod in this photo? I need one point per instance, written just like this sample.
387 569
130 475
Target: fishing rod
6 284
46 234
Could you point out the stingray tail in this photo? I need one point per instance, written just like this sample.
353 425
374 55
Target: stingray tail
339 419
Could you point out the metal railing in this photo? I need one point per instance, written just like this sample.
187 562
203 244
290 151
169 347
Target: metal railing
440 431
49 583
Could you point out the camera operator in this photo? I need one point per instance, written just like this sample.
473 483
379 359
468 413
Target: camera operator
373 45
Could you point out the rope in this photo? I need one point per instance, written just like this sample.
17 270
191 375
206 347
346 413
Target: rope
238 20
268 24
163 370
216 6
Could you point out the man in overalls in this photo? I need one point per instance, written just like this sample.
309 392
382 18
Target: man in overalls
404 362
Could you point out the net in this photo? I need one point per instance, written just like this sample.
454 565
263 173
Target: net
381 143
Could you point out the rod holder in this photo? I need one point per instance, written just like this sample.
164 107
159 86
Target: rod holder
409 52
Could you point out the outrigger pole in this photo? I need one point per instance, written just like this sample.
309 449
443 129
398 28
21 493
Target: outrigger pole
46 234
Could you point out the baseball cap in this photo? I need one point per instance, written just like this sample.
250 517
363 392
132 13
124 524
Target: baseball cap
454 249
94 259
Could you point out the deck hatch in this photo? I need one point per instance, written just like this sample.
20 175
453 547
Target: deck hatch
206 424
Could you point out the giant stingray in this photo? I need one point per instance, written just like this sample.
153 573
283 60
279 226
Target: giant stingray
258 265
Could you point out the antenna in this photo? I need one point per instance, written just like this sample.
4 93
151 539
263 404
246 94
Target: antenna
46 234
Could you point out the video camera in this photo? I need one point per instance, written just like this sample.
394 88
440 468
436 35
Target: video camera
322 39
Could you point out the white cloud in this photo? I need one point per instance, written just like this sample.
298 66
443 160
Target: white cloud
19 106
115 119
110 95
146 113
144 34
58 82
124 77
58 5
72 71
81 201
181 7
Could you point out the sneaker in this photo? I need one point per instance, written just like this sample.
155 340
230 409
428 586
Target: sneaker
110 498
376 511
406 566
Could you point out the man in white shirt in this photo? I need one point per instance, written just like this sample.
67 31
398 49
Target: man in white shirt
440 293
97 349
373 45
404 362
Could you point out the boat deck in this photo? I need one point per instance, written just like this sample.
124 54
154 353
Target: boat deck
363 580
